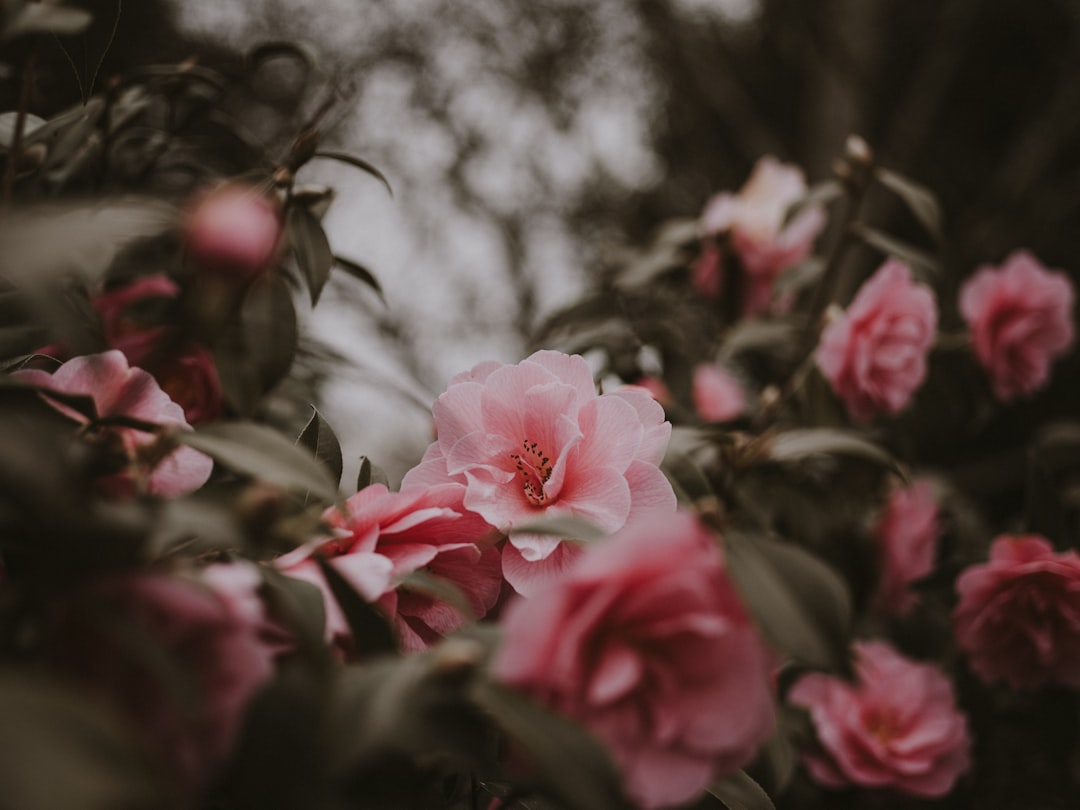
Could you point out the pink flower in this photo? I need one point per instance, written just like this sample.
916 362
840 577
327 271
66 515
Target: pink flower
1020 317
384 536
897 727
119 390
1019 614
233 231
717 395
874 354
754 220
656 388
644 641
908 532
534 441
198 663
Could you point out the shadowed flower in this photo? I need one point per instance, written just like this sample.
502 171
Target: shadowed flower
908 532
897 727
535 441
644 642
718 396
1020 317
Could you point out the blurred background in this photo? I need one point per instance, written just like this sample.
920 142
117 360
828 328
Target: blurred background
530 143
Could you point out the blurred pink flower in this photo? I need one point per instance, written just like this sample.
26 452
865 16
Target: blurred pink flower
200 661
897 727
754 220
644 641
874 354
382 537
1020 317
119 390
908 532
233 231
535 441
718 396
1018 618
656 388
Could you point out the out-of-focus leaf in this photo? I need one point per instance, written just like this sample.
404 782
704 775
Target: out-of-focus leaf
754 333
262 453
821 193
7 127
61 750
686 477
318 437
359 163
370 630
361 274
311 247
920 260
572 765
801 443
300 604
184 71
440 589
799 277
73 137
740 792
918 198
1052 457
47 18
568 527
276 49
801 605
370 474
672 248
21 339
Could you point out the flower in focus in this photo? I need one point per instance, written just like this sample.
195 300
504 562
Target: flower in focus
908 532
874 353
718 396
119 390
644 641
384 536
754 222
201 662
535 441
233 231
1020 317
1018 618
897 727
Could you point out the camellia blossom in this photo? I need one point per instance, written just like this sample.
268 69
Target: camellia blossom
535 441
718 396
233 231
1018 618
908 532
754 222
1021 318
898 727
874 353
644 642
120 390
384 536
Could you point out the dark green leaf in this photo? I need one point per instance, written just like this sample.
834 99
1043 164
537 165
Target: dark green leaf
740 792
920 260
755 334
47 18
370 474
801 443
318 437
311 247
362 274
301 51
262 453
800 276
83 404
370 630
359 163
301 606
567 527
919 200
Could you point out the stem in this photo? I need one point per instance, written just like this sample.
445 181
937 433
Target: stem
11 168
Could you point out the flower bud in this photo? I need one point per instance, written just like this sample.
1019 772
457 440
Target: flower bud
234 232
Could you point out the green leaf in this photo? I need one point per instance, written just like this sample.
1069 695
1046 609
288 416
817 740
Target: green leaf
370 630
802 443
47 18
920 200
311 247
821 193
756 334
361 274
571 763
801 604
300 604
740 792
262 453
568 527
318 437
439 589
920 260
276 49
358 163
370 474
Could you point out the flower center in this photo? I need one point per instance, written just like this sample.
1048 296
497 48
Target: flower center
535 470
882 725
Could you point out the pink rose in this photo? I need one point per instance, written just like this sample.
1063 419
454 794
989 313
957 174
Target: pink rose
1020 317
199 661
874 354
897 727
644 642
384 536
534 441
119 390
1019 614
233 231
754 221
908 532
717 395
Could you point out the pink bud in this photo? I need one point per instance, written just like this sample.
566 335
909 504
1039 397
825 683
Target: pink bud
233 231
